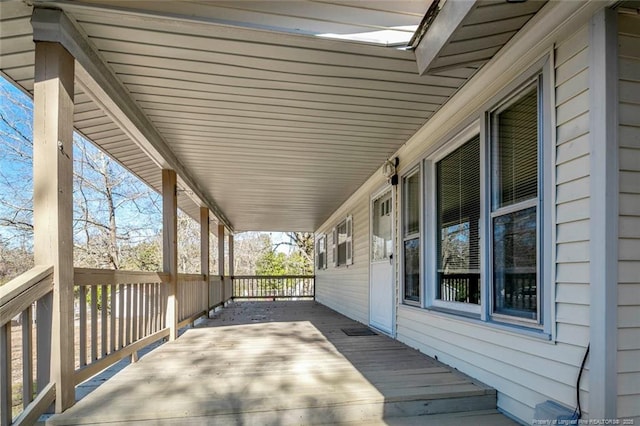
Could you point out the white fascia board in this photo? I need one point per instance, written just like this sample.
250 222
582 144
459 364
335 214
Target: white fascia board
441 30
93 75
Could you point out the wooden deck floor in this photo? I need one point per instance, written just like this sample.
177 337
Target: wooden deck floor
277 363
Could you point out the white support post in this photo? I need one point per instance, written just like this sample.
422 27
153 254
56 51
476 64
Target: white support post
603 118
221 257
170 246
204 250
231 268
53 214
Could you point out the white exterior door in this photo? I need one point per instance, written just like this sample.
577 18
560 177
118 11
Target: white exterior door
381 299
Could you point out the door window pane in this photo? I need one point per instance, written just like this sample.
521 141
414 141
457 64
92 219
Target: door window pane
381 247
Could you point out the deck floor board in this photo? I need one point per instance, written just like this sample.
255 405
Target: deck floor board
283 363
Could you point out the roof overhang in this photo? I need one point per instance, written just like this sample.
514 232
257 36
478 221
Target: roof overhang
469 32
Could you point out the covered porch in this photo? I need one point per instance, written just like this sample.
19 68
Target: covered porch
273 363
245 122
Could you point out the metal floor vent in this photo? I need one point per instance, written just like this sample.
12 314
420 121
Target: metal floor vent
360 331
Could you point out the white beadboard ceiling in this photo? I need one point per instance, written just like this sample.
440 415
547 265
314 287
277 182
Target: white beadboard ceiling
276 126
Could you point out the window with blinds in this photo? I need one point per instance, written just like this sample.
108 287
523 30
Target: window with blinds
458 221
411 200
514 218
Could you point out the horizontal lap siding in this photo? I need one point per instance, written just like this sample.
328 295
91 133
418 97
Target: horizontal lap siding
345 289
527 370
629 218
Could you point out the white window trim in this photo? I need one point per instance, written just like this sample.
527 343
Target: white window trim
349 242
546 215
419 169
348 222
454 143
319 238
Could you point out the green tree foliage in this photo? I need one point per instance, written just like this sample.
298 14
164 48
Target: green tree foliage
272 263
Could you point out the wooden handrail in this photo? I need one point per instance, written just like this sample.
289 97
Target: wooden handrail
22 291
90 276
191 277
244 277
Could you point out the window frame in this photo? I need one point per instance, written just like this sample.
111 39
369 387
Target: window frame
347 222
321 241
492 140
541 70
419 170
431 279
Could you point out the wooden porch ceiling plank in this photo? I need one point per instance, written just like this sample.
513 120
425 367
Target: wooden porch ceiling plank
168 116
119 50
323 145
472 31
293 151
19 44
105 142
295 130
287 114
296 82
17 59
87 114
301 157
204 122
95 77
241 102
202 28
23 73
14 9
245 41
474 57
465 46
291 53
287 91
284 165
267 95
92 122
96 136
500 11
332 143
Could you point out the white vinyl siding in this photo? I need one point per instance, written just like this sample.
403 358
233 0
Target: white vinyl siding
628 405
523 369
346 288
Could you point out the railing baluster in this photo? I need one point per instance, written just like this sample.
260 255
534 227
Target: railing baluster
5 375
121 343
94 323
82 302
112 318
103 321
27 356
135 289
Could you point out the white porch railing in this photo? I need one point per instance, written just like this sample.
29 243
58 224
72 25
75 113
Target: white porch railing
273 287
27 400
117 313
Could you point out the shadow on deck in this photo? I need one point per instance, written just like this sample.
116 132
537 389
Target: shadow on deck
277 363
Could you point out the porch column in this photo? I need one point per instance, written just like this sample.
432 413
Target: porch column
170 247
603 253
231 268
204 250
53 214
221 257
